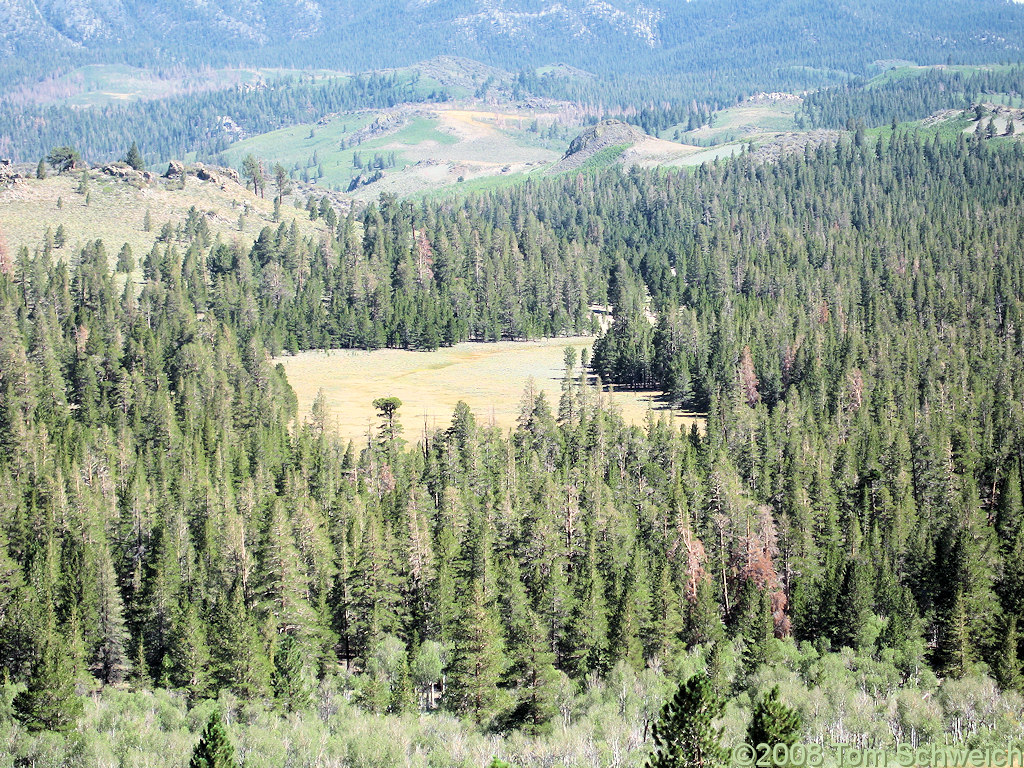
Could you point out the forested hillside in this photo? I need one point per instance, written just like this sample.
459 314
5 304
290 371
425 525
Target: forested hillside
201 124
849 317
904 97
658 37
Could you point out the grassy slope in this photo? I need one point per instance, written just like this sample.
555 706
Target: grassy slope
744 121
116 212
434 148
98 85
913 70
299 143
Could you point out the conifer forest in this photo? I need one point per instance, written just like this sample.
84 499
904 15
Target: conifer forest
196 571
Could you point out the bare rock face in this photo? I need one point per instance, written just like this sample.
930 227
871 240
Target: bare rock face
215 174
206 174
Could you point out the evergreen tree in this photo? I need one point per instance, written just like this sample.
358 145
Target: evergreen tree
214 749
772 722
477 661
110 657
685 735
125 260
290 685
63 158
134 158
50 702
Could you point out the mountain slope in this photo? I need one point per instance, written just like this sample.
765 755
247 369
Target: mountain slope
602 35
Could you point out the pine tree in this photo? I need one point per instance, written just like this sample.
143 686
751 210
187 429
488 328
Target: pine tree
239 660
125 260
41 169
110 658
290 685
134 158
685 735
187 659
772 722
1007 665
531 674
477 660
214 749
50 702
282 581
63 158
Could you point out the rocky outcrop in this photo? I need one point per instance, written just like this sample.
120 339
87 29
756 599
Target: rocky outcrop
8 175
215 174
212 174
608 133
175 170
125 172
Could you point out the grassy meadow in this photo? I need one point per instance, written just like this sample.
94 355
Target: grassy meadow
490 378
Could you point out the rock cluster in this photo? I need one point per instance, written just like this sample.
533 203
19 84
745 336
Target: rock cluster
209 173
8 175
125 172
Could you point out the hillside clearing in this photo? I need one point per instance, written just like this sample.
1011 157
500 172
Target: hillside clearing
489 377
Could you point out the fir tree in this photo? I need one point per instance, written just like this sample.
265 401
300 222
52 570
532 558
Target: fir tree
214 749
50 702
685 735
134 158
772 722
477 660
290 685
125 260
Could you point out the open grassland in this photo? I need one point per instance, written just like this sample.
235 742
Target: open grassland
490 378
752 119
116 210
308 146
432 147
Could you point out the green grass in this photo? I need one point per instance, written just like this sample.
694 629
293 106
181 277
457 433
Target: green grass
743 121
480 184
297 144
908 70
418 131
602 159
947 130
